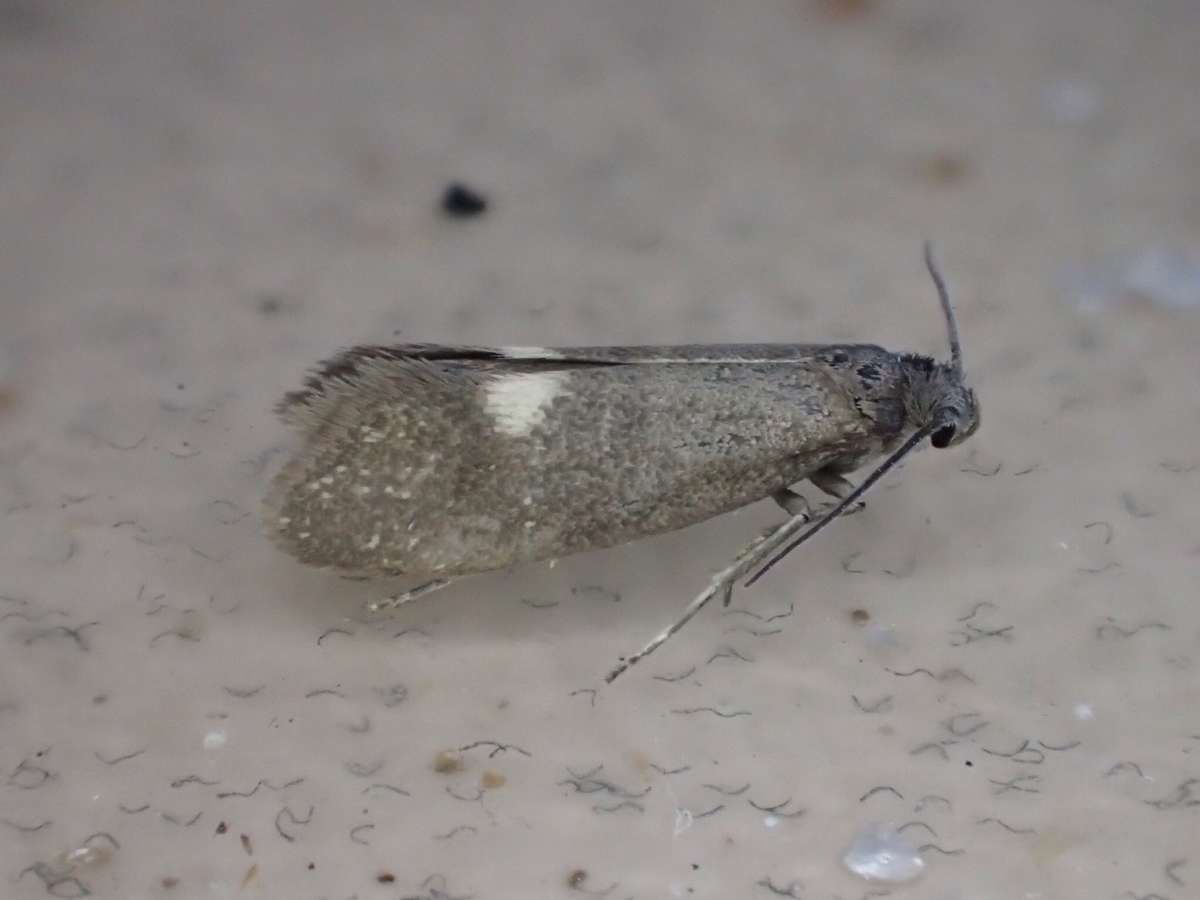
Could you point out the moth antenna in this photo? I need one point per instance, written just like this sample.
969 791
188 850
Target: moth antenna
947 310
883 468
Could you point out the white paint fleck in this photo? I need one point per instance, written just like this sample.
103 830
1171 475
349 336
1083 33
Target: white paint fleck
771 821
878 853
878 635
518 403
530 353
1084 711
215 739
683 820
528 501
1072 102
373 542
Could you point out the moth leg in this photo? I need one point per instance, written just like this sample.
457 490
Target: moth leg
408 596
836 485
792 503
721 584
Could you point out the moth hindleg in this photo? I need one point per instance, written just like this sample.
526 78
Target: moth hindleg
792 503
836 485
721 584
408 596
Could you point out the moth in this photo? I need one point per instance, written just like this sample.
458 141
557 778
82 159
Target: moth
439 461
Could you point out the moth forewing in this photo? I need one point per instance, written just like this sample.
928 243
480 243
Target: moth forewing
453 466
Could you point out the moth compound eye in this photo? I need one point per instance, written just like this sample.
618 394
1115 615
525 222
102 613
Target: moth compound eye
943 436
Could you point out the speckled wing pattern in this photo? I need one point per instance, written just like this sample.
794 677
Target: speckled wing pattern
439 461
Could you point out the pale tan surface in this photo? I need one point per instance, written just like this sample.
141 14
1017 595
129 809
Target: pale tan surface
659 172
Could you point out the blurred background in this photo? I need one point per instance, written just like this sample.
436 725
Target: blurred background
200 199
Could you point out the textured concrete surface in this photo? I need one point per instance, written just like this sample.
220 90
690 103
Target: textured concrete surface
1001 656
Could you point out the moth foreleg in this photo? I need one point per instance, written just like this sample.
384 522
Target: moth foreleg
836 485
410 595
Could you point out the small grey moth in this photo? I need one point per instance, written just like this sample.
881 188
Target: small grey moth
441 461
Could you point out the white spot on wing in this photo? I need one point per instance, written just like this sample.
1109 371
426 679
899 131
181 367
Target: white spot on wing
529 353
518 403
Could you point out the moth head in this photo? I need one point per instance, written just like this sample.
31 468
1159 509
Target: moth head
957 417
943 401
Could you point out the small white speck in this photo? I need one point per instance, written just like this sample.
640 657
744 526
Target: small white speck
1084 711
878 853
529 523
372 543
517 403
771 821
304 535
314 485
388 489
326 479
529 353
877 635
285 520
215 739
1063 545
406 495
1072 102
677 889
683 820
340 469
412 542
528 501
